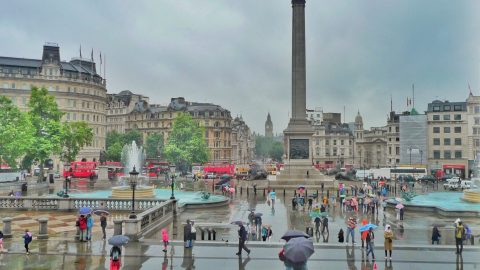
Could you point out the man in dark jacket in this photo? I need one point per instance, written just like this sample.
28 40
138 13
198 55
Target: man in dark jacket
187 234
242 237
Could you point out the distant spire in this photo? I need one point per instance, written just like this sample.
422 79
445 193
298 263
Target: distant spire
470 89
391 103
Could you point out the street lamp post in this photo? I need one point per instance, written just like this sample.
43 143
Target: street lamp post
410 148
67 179
172 176
133 180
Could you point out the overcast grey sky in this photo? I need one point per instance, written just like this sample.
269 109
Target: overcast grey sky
237 53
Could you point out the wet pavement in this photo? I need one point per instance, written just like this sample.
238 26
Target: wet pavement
95 255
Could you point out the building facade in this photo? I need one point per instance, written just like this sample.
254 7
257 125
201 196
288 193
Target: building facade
448 137
370 146
216 120
79 90
332 145
243 142
393 139
119 106
473 120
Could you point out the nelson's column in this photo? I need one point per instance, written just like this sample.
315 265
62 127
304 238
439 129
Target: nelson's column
298 162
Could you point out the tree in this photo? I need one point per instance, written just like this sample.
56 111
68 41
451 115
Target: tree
276 151
76 135
48 132
114 152
112 138
186 143
133 135
16 132
154 145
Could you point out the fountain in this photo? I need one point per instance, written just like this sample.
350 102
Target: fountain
473 194
132 156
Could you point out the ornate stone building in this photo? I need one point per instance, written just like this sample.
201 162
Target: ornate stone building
473 133
332 145
269 127
243 142
217 121
79 90
119 106
370 145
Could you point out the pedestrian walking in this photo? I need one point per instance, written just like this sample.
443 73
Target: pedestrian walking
242 238
82 226
325 225
187 234
459 236
165 240
340 236
115 258
369 241
103 224
193 232
89 226
264 233
436 235
363 235
317 222
388 235
402 211
27 239
351 225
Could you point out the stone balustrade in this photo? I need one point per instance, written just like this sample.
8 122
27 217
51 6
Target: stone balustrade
67 204
150 220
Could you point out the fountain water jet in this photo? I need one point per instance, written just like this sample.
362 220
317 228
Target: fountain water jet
473 194
133 156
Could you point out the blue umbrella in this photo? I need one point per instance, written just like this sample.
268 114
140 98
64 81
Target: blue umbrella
84 210
118 240
298 250
367 227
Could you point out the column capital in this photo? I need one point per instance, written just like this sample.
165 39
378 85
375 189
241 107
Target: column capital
298 2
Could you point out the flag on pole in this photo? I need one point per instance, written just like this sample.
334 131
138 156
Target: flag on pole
80 50
100 58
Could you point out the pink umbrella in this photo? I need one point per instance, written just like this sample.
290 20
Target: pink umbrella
399 206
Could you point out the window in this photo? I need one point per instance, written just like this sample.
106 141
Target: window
397 139
458 141
477 109
446 130
446 117
342 142
457 108
446 141
334 142
436 108
436 141
458 129
458 154
446 108
436 129
457 117
436 117
13 85
397 129
397 151
477 120
476 142
389 150
447 154
476 131
436 154
317 142
327 142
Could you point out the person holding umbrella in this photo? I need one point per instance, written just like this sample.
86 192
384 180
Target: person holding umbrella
89 226
369 241
242 237
103 224
116 252
296 252
82 225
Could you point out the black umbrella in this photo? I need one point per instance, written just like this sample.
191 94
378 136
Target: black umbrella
298 250
258 214
118 240
294 234
238 222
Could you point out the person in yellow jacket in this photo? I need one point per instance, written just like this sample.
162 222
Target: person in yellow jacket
459 236
388 235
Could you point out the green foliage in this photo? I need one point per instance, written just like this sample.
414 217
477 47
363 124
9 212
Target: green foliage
133 135
113 137
48 131
268 148
186 143
76 135
114 152
154 145
16 132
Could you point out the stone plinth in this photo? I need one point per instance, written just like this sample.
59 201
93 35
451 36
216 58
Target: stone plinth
7 227
125 192
472 195
102 173
42 228
117 227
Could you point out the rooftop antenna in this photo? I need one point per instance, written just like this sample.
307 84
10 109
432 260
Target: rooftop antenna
413 92
391 102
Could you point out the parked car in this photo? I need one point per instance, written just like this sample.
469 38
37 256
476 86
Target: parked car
447 176
467 184
427 179
222 182
452 183
210 176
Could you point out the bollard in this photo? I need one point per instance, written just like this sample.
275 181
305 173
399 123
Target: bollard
7 227
241 190
214 234
247 191
117 226
306 193
209 234
328 193
263 192
284 193
42 228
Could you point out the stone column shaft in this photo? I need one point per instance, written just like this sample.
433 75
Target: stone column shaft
298 61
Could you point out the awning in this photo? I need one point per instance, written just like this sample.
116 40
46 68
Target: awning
453 166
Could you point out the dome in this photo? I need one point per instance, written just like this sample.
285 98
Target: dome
358 119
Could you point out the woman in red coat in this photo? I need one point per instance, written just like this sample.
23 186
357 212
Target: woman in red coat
82 225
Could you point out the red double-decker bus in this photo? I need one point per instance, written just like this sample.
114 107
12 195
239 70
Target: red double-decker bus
156 168
219 168
81 169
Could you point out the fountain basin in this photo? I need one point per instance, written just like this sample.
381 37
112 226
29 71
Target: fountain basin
472 195
125 192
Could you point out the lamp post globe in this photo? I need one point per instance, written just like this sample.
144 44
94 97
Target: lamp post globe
133 180
172 176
